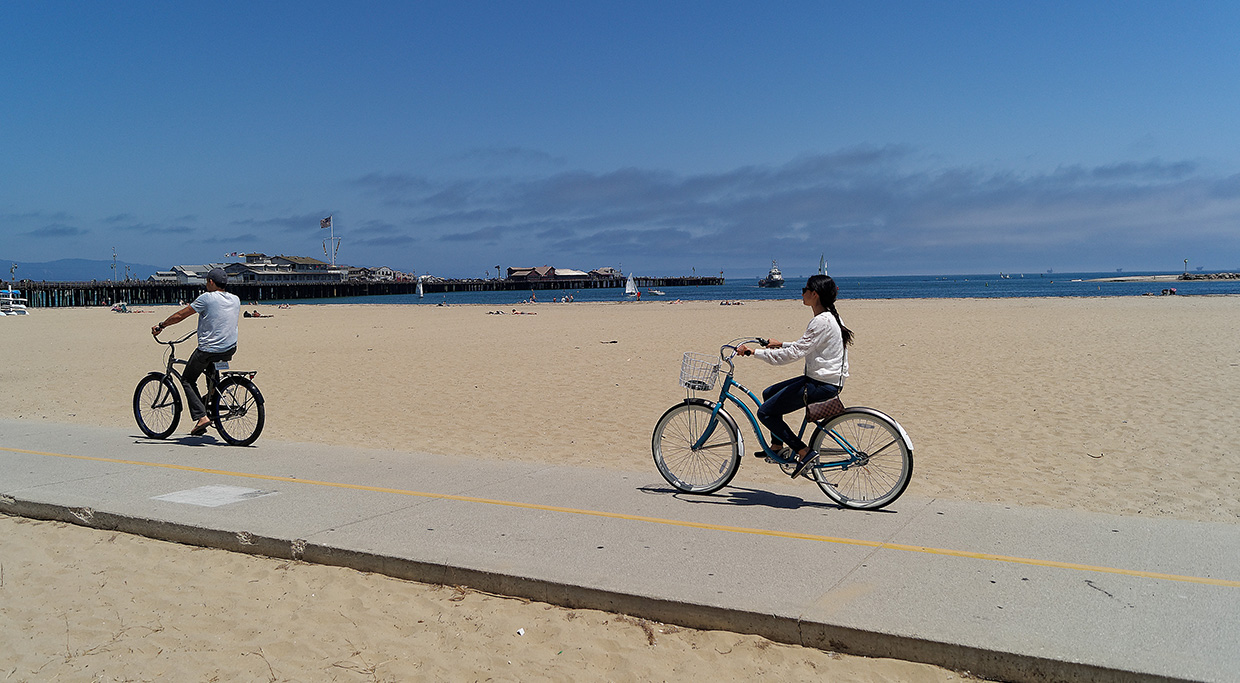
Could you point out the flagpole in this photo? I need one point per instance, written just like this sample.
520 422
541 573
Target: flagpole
330 223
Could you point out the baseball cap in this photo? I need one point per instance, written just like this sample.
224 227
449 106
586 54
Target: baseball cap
218 276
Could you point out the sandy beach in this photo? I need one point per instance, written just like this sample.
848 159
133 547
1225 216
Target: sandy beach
1123 406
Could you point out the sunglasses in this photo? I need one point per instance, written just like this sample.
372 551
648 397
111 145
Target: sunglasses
804 290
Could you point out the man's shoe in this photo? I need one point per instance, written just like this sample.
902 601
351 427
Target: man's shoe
804 462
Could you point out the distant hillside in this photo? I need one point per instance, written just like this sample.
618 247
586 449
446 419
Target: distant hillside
75 269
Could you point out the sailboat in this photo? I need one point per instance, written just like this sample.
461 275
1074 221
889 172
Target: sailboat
420 294
822 264
630 287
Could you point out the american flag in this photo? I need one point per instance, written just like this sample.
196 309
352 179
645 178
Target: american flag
326 222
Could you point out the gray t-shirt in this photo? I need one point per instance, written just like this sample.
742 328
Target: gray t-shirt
218 313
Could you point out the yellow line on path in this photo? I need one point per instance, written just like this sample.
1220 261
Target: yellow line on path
668 522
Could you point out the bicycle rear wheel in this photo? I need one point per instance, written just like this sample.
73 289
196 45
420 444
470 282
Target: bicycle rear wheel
156 406
703 470
238 411
882 459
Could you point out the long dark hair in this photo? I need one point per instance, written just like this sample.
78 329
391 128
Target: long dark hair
827 292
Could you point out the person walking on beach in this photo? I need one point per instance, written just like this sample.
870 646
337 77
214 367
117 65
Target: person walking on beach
218 313
823 346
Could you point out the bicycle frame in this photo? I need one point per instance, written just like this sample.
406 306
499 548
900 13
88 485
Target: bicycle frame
725 395
211 373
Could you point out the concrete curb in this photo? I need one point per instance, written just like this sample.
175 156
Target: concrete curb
990 664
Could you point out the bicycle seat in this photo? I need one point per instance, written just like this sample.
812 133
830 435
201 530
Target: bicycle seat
824 410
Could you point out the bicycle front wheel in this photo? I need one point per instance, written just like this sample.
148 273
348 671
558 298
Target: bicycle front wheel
238 411
702 470
156 406
880 459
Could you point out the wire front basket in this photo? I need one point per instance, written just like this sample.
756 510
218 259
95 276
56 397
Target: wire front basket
698 371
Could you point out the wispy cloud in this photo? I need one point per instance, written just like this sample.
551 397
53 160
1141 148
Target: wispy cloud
36 216
153 229
249 238
55 231
875 206
303 223
386 241
491 234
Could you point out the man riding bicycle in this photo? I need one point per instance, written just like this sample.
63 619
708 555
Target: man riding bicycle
218 313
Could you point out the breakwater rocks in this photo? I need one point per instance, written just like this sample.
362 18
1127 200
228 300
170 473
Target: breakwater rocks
1210 276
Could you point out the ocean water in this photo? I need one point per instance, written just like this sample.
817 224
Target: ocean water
894 287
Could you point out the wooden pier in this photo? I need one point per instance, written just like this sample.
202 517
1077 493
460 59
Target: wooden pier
144 293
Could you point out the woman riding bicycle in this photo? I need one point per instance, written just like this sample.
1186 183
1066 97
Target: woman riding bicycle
826 366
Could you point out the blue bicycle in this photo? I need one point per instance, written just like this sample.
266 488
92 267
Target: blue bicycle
865 458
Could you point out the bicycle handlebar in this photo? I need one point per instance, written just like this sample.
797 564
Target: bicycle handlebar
178 341
738 342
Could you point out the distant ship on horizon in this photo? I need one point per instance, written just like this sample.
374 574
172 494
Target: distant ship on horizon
773 278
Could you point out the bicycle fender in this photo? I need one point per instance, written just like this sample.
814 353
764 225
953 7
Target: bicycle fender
723 414
886 418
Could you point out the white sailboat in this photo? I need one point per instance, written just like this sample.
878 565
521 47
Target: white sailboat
420 294
822 264
630 287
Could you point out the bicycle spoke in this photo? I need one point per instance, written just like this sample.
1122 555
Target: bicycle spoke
701 470
873 475
239 412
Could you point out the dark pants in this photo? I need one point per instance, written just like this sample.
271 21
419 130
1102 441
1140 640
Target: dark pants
199 361
790 396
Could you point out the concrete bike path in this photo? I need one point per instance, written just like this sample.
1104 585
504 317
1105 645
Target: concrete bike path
1006 593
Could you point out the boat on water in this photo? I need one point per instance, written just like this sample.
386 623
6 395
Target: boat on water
630 287
773 278
657 292
421 293
11 302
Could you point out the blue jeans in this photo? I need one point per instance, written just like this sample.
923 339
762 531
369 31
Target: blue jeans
790 396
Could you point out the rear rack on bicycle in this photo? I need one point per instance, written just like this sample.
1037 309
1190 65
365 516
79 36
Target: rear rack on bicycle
698 371
221 367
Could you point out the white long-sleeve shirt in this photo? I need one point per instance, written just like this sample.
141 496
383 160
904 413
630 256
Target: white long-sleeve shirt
822 347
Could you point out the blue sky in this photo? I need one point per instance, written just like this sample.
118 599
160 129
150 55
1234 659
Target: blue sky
666 137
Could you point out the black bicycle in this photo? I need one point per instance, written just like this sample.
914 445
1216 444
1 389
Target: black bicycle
233 402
